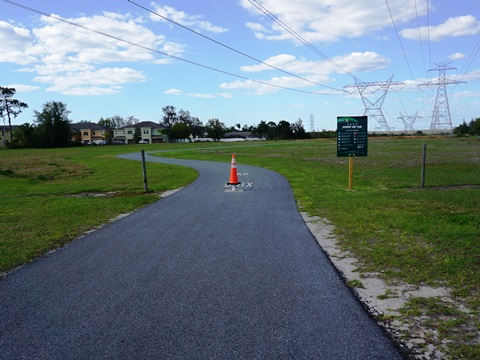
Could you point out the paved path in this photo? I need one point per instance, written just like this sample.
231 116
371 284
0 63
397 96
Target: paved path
200 274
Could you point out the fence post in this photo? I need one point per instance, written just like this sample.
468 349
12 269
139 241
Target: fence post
424 162
145 184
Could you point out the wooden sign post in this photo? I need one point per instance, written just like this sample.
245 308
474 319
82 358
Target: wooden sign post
352 140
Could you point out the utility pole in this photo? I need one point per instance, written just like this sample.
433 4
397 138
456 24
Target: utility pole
409 121
373 107
441 119
312 124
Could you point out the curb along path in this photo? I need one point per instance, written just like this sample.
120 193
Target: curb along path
200 274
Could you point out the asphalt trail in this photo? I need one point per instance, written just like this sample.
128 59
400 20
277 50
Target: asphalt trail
200 274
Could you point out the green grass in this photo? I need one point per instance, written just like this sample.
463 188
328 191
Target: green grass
407 234
47 196
428 236
419 236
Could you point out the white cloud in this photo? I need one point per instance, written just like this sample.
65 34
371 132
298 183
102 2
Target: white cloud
329 20
96 82
452 27
456 56
75 61
354 62
173 92
22 87
197 95
314 71
193 21
128 40
15 44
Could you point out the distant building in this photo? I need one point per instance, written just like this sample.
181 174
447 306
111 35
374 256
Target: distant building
91 133
238 135
5 135
146 131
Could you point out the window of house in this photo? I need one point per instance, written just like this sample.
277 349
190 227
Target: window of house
93 133
129 132
145 131
85 133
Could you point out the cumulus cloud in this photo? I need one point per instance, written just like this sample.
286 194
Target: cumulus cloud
16 44
73 60
173 92
354 62
452 27
197 95
327 20
96 82
456 56
22 88
314 71
195 22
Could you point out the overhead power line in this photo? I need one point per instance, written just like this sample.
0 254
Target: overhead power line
230 48
399 40
301 39
420 36
158 51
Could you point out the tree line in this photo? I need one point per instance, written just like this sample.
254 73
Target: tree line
180 125
51 126
472 128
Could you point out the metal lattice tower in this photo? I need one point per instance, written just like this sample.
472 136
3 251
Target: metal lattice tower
373 107
409 121
441 119
312 124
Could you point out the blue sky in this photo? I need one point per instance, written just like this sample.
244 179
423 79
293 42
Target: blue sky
120 68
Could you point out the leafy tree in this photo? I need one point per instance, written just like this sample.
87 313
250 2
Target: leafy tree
184 117
215 129
298 130
137 136
108 122
472 128
9 106
262 129
462 128
196 127
169 116
180 131
475 127
53 126
272 130
132 120
284 130
118 121
25 135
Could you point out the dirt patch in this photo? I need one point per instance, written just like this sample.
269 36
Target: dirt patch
94 194
384 301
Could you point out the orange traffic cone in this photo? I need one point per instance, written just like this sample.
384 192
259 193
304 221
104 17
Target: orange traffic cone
233 174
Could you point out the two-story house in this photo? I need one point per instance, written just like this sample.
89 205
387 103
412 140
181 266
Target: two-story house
146 131
91 133
5 136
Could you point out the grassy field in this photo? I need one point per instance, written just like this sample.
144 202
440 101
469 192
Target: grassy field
49 197
419 236
404 233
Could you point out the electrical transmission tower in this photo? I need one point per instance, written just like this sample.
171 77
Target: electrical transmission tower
312 123
373 106
441 111
409 120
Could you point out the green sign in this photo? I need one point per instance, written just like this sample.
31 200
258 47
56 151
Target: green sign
352 135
